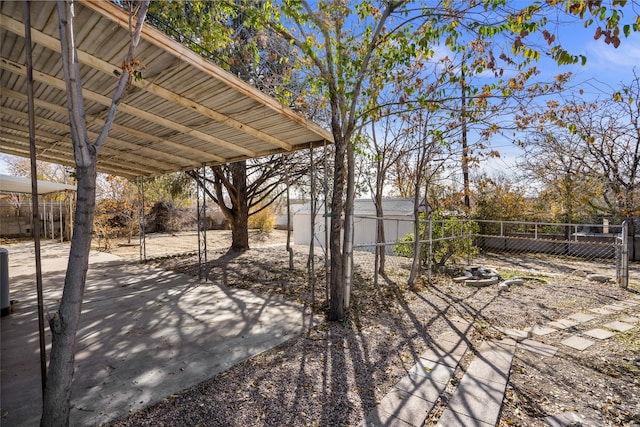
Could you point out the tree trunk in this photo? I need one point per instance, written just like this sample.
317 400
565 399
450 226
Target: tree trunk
64 324
337 288
380 237
240 231
240 209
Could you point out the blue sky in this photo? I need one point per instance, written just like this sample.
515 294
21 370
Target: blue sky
606 68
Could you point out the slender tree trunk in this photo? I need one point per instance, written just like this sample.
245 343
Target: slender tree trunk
64 323
348 226
380 237
336 297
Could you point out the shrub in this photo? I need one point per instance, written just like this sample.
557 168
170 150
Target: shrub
452 237
263 220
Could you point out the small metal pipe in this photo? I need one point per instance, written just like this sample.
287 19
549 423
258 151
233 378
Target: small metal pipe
34 192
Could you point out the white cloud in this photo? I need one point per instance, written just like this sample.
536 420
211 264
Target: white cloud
604 57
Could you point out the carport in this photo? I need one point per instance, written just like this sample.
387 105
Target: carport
185 113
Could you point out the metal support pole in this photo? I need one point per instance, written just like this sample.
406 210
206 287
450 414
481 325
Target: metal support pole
430 265
53 231
61 222
289 248
203 268
312 205
141 224
34 192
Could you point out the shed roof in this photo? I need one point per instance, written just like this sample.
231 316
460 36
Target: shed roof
18 184
366 207
185 113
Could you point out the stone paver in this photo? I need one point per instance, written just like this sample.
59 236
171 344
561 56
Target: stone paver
542 330
454 419
516 334
569 418
630 319
563 323
446 352
436 372
414 396
618 326
582 317
577 342
615 307
538 347
404 406
478 398
601 310
630 303
425 387
601 334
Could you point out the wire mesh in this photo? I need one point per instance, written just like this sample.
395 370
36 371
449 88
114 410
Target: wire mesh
555 248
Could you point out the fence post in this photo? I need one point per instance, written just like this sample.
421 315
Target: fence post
623 280
429 265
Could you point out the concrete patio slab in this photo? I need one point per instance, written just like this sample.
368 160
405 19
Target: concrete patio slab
145 333
446 352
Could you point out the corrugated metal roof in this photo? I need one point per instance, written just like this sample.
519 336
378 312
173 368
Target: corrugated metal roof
185 113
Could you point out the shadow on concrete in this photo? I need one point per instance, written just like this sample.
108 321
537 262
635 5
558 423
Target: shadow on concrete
145 333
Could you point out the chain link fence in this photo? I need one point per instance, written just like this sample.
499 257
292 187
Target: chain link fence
551 248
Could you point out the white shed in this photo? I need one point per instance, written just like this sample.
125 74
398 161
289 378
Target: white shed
398 221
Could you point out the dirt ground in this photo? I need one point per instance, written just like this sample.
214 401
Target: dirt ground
335 373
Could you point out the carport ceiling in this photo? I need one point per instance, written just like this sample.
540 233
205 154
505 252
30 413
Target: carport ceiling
185 113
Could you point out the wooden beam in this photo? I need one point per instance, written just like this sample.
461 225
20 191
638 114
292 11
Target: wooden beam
136 112
153 36
45 147
66 139
107 68
172 158
49 157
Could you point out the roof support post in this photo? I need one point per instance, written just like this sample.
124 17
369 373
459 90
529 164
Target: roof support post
141 223
203 267
327 215
312 205
34 191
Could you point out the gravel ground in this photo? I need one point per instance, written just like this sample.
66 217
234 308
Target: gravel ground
337 371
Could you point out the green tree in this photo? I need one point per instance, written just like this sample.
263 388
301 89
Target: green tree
352 51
